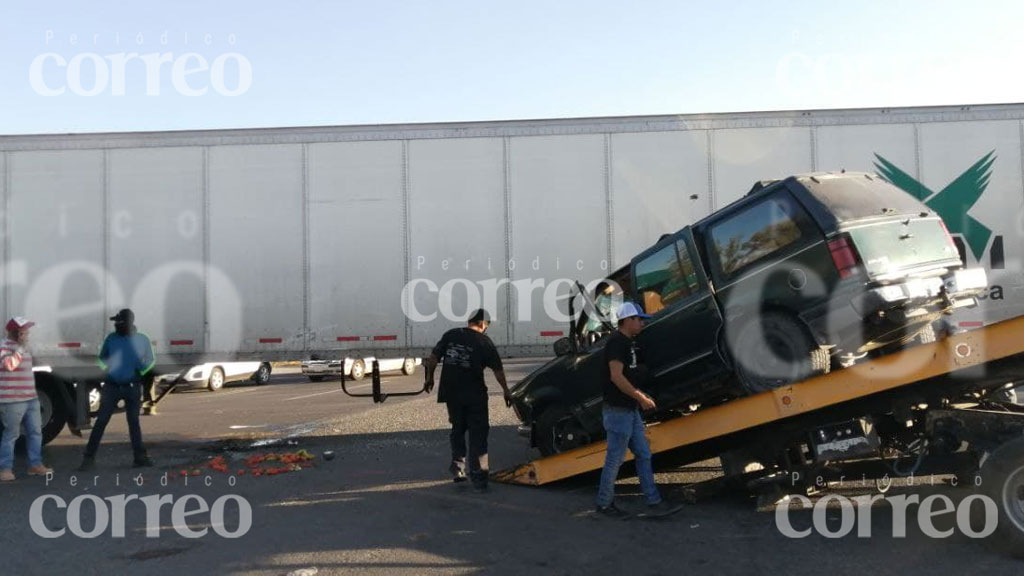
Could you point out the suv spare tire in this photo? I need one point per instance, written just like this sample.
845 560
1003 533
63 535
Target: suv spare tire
775 350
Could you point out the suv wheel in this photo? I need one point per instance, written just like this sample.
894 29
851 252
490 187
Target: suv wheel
558 432
775 350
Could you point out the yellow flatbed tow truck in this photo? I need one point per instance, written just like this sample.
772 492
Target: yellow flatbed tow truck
934 408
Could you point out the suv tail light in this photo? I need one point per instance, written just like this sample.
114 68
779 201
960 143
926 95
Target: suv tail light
949 237
844 256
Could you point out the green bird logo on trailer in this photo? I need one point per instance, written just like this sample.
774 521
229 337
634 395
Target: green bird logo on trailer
952 204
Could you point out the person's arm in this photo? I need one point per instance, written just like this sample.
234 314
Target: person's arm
429 365
147 360
430 362
499 375
623 384
493 361
10 359
101 360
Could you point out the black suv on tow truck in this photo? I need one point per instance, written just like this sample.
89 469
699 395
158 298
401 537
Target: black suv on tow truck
798 276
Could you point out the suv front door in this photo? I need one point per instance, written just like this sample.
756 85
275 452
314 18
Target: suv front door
679 343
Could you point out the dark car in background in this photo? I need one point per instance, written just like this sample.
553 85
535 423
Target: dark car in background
799 276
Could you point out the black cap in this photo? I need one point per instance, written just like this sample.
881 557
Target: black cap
124 316
479 316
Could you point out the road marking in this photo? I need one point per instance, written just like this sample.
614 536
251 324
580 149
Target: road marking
359 387
220 393
243 426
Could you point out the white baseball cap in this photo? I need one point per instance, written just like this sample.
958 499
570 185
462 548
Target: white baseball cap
630 309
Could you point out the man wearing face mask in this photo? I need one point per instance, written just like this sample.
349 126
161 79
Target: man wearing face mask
126 357
465 353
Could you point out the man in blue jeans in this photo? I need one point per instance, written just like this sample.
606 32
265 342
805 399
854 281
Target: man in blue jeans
623 421
19 404
126 356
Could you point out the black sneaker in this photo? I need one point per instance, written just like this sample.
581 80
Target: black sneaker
458 470
661 510
613 512
88 464
142 462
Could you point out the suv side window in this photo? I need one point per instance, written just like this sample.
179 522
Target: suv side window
665 276
753 234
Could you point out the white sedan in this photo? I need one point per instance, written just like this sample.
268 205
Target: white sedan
213 375
355 368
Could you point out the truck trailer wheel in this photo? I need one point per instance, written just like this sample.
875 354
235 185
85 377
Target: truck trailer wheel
53 412
1002 480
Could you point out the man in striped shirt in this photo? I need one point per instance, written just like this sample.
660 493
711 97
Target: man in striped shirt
19 403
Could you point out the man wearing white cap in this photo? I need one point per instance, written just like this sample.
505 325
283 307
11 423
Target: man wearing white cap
19 403
623 421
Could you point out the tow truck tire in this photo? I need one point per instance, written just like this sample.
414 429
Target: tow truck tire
928 335
53 413
358 370
216 380
775 350
1002 478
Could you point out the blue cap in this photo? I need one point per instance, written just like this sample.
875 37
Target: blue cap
630 309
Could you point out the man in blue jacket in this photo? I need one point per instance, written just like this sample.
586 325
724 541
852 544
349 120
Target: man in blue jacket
126 356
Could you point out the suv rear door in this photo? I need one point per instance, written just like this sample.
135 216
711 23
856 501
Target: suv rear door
679 343
767 252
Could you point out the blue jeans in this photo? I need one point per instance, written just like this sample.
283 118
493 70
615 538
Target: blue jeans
109 396
625 429
13 415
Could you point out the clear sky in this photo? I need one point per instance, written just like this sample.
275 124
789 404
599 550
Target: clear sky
388 61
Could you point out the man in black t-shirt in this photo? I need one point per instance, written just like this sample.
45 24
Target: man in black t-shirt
465 352
623 422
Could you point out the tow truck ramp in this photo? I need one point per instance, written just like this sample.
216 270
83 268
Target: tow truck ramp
957 363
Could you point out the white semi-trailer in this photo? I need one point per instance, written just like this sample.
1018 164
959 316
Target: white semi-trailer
282 243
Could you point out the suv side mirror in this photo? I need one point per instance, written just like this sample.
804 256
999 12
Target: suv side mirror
563 346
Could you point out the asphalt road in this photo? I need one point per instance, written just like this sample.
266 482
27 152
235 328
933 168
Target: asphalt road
384 505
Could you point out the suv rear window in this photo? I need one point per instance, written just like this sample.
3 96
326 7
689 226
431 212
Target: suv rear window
753 234
856 198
